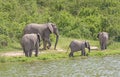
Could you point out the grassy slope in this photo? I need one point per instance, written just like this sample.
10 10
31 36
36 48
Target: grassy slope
113 49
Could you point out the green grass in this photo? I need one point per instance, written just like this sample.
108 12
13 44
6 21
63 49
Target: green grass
45 56
113 49
56 55
12 47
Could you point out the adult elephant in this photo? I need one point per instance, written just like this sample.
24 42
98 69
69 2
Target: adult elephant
103 38
30 42
76 45
44 30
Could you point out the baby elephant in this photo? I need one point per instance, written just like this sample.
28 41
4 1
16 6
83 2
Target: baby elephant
30 42
76 45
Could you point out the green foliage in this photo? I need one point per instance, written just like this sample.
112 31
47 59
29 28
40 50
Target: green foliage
4 41
74 18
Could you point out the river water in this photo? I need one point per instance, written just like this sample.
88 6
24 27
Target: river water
73 67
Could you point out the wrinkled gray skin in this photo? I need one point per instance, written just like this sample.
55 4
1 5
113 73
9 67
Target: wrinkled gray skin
44 30
103 38
30 42
76 45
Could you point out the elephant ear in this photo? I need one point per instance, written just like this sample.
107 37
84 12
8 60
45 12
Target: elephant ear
86 44
39 37
50 27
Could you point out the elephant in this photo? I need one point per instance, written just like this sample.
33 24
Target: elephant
77 45
30 42
44 30
103 38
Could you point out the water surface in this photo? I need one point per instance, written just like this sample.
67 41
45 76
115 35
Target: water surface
74 67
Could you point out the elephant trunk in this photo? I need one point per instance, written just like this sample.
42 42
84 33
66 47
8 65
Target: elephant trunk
57 37
56 32
89 49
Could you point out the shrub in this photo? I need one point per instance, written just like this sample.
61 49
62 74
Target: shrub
4 41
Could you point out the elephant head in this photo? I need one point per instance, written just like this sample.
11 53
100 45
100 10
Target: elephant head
54 30
87 45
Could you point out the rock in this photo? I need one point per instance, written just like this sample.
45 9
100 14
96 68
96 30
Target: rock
94 48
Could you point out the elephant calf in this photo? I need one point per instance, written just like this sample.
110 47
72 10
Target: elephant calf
30 42
76 45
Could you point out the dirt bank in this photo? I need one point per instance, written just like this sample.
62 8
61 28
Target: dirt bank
20 53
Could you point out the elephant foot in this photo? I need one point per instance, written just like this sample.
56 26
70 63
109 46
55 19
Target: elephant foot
55 49
70 55
43 48
26 54
48 47
36 55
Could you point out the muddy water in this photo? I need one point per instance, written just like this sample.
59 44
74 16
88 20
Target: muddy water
74 67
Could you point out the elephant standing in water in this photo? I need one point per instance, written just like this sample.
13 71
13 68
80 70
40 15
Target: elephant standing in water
103 38
30 42
44 30
76 45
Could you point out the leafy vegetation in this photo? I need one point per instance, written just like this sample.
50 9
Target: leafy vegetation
74 18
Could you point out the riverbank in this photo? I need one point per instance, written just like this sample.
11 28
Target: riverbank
53 55
16 54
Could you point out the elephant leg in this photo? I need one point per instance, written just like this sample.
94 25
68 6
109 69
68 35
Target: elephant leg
26 53
47 40
71 54
49 44
83 53
36 52
30 53
44 44
101 45
105 46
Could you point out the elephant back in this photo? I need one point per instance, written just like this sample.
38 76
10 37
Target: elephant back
76 45
29 40
103 35
35 28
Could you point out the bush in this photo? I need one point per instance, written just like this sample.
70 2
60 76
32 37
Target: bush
4 41
74 18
